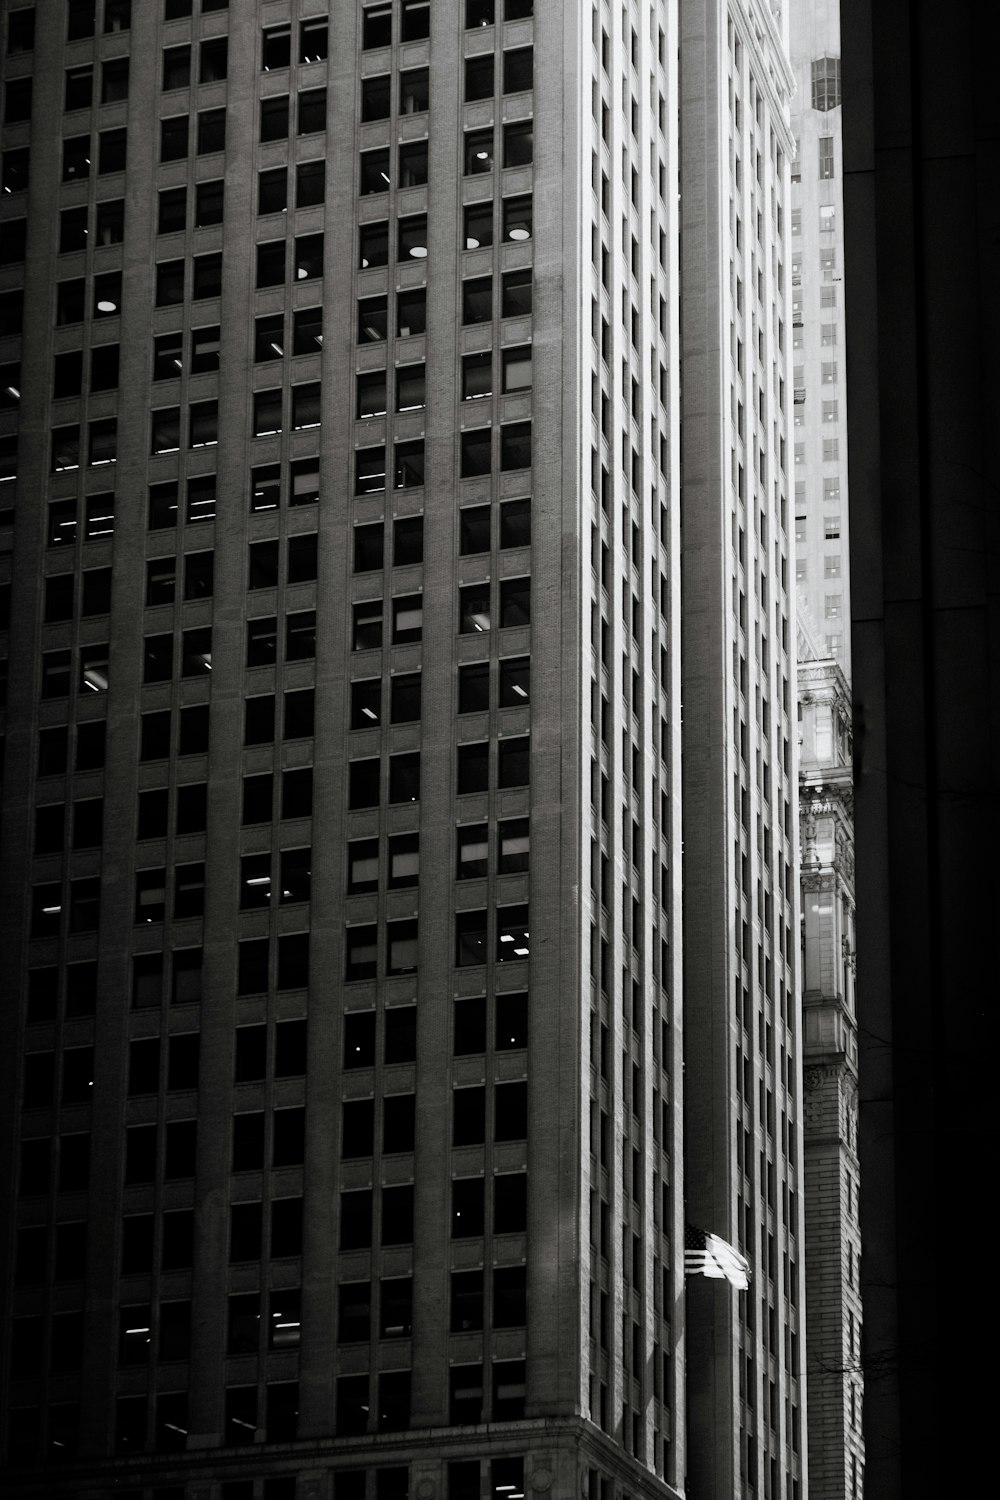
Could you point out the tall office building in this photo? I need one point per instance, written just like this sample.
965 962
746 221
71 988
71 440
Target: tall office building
344 1096
742 1122
826 828
819 404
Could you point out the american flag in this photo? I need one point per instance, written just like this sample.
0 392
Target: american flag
708 1255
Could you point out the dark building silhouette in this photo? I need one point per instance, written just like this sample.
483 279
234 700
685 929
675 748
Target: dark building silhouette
921 178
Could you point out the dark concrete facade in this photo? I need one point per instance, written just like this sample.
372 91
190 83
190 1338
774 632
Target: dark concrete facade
922 187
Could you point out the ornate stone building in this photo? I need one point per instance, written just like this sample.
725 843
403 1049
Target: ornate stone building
830 1091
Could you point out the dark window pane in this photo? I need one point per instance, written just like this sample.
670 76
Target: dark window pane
272 191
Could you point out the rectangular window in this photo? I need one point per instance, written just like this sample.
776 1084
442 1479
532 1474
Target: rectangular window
825 157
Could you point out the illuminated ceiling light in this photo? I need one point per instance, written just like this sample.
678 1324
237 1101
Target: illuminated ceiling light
419 252
471 243
105 305
519 232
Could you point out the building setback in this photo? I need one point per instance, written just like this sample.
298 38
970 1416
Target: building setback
341 424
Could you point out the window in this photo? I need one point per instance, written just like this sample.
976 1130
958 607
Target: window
826 83
478 153
308 259
399 1122
517 218
302 557
515 446
272 190
176 67
513 763
831 528
213 60
467 1205
313 40
354 1313
518 144
477 376
413 164
474 608
172 212
306 409
276 48
512 933
825 157
517 70
117 15
307 330
21 31
477 300
208 203
376 98
17 100
478 225
311 111
169 283
111 151
404 778
75 157
474 529
203 423
515 601
271 263
410 380
79 91
414 95
371 397
265 487
512 853
473 856
367 628
413 237
207 276
510 1297
114 80
211 131
266 412
476 452
300 636
479 77
107 294
515 523
372 319
13 245
517 369
377 26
